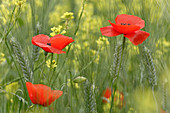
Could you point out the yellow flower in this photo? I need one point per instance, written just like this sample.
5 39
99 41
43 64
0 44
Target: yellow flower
63 32
53 28
2 59
2 54
67 16
102 42
56 30
51 65
97 59
93 52
85 44
20 2
52 34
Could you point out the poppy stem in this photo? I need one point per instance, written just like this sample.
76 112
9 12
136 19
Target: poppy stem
51 59
113 94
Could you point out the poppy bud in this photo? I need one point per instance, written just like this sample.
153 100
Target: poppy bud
79 79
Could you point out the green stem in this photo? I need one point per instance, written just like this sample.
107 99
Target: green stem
57 59
78 24
23 83
113 95
77 28
123 46
42 63
10 28
79 18
51 60
33 16
156 104
11 16
17 79
54 69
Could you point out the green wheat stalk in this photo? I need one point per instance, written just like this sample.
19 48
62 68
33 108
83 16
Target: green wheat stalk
35 53
164 95
148 60
90 102
35 49
23 62
118 56
150 65
116 62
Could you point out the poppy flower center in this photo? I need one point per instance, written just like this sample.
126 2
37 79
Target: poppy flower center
124 24
49 44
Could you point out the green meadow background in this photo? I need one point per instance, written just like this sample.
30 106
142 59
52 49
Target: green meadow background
91 55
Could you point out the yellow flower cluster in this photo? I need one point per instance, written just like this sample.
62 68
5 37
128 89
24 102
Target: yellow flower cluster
50 64
20 2
102 42
2 59
57 30
67 16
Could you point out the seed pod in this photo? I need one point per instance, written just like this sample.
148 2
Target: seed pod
79 79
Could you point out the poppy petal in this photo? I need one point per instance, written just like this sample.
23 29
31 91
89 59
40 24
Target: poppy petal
32 92
106 95
43 93
54 50
50 49
138 37
109 31
60 41
124 29
130 19
55 94
40 39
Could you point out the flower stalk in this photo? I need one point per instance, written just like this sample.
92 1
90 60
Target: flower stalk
123 46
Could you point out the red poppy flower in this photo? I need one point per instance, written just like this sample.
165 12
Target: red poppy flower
128 25
52 45
106 95
118 97
42 94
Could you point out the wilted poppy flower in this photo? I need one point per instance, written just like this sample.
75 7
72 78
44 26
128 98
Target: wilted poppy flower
128 25
118 97
54 44
42 94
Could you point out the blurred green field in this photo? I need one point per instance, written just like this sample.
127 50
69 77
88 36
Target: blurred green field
91 55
